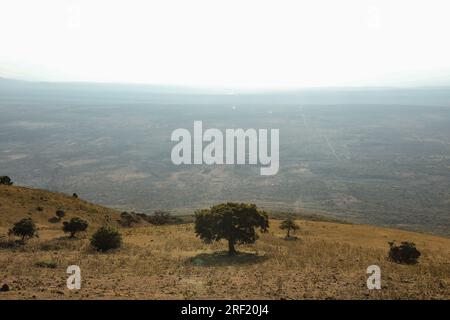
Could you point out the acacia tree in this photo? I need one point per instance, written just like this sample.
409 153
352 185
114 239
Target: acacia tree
74 225
25 229
234 222
288 225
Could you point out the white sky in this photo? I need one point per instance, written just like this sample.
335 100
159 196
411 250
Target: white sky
228 43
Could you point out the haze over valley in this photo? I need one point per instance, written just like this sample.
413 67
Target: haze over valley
369 155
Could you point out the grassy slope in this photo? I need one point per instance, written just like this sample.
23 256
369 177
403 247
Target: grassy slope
19 202
169 262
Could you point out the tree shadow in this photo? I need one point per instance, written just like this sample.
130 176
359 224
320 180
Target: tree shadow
65 238
10 243
223 259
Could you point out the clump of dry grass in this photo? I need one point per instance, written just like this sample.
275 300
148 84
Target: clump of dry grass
46 264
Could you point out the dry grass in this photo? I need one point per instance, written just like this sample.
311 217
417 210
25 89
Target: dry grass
328 261
19 202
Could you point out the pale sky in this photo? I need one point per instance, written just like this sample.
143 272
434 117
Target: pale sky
228 43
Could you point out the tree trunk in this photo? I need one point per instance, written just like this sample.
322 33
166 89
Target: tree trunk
231 249
288 235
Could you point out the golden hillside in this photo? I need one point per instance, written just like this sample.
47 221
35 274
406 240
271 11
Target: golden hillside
328 261
40 205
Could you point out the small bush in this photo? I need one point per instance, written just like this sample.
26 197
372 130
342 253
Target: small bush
5 180
25 229
405 253
75 195
128 219
54 220
160 217
60 214
4 288
106 238
74 226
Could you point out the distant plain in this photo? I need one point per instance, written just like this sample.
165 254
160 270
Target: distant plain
379 156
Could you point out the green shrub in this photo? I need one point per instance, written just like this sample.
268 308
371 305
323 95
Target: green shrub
405 253
25 229
74 226
5 180
106 238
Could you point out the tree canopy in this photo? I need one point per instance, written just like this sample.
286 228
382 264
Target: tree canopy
235 222
25 228
74 225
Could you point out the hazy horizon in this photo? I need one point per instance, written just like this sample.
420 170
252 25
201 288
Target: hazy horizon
223 89
263 45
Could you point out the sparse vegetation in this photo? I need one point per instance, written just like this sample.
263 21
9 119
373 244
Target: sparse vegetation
128 219
171 262
74 226
46 264
4 288
60 214
160 217
288 225
5 180
8 243
405 252
106 238
234 222
353 186
54 219
25 229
